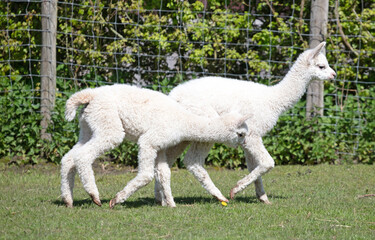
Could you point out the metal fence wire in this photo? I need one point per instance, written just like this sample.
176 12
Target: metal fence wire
160 44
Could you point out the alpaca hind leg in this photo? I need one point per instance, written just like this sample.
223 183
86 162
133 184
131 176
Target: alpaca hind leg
68 169
107 134
171 155
259 190
163 177
194 161
263 159
86 173
67 178
146 163
88 153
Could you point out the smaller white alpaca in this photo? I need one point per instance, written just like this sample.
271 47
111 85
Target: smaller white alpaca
152 119
214 96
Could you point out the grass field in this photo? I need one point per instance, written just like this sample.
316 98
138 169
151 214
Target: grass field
309 202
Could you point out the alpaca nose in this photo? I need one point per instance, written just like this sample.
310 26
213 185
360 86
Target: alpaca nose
333 75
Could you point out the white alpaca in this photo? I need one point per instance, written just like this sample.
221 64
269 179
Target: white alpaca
153 120
214 96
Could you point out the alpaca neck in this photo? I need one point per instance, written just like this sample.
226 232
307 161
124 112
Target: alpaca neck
206 130
287 92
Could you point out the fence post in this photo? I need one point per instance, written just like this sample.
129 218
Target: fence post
318 32
48 64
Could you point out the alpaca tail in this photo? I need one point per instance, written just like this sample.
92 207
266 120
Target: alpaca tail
76 100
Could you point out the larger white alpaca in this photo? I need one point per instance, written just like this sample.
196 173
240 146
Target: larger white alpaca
151 119
214 96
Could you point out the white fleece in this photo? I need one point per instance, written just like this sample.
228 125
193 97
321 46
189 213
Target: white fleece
152 119
212 96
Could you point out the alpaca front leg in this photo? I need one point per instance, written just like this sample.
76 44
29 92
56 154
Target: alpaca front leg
264 163
259 190
146 163
163 177
194 160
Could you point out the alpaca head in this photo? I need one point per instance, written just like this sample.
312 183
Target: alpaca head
317 63
236 126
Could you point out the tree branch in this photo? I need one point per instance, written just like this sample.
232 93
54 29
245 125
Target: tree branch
274 13
300 23
341 31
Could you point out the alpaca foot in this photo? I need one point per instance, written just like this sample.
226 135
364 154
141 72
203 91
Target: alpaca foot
264 199
232 193
96 200
159 202
112 203
266 202
68 204
171 205
221 199
165 203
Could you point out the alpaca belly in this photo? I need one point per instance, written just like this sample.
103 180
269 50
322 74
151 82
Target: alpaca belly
132 131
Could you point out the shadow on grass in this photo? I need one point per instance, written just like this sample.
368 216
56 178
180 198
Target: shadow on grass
253 199
147 201
140 202
78 203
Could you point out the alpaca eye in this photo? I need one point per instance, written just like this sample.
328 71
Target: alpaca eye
322 66
240 134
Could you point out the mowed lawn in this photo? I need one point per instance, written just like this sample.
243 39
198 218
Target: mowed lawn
309 202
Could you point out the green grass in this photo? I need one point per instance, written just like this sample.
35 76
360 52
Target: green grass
309 202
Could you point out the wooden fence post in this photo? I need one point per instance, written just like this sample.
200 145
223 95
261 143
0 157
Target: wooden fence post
318 32
48 64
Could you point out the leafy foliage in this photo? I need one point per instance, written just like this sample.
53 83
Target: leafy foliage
19 122
106 42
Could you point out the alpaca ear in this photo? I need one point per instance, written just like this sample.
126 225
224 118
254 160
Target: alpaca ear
317 50
243 120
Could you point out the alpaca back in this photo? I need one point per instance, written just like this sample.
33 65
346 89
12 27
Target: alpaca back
143 111
213 96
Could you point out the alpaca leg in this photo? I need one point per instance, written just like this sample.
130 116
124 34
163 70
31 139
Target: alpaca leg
68 169
146 163
163 177
259 190
88 154
263 159
107 134
158 190
67 178
171 156
194 161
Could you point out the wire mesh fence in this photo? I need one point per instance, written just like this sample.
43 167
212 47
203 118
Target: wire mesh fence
159 44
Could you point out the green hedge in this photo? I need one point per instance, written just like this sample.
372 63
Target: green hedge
346 136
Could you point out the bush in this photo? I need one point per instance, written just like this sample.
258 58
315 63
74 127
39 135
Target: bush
207 40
